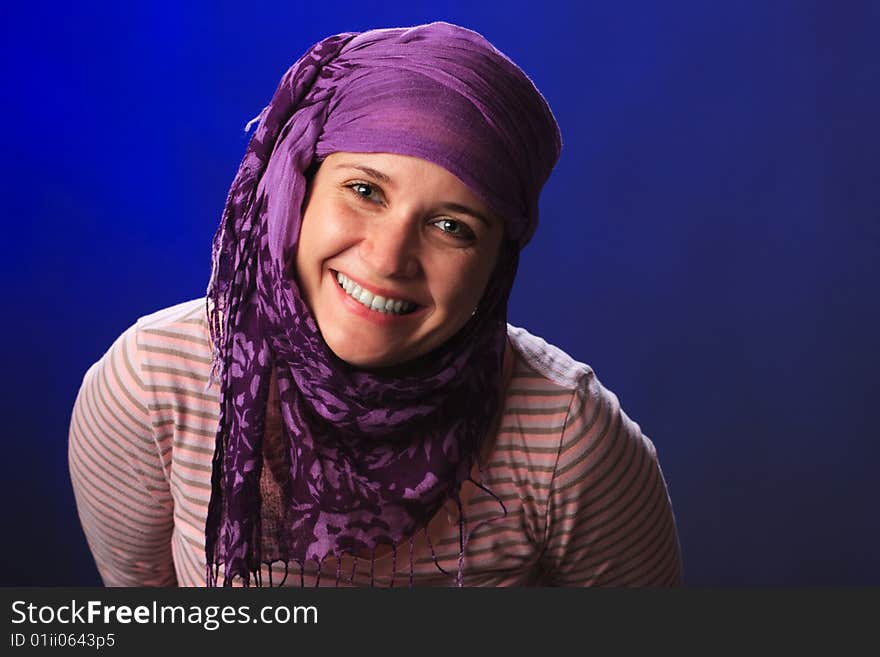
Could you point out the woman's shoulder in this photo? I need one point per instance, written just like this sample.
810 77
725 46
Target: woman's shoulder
545 366
585 412
188 313
546 395
175 332
166 349
609 520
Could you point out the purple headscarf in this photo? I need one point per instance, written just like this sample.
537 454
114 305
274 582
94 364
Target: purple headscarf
369 457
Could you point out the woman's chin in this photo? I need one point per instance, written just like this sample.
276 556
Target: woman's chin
366 357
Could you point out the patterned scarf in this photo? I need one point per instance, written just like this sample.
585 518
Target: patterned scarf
369 457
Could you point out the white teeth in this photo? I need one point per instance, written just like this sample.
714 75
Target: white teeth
373 302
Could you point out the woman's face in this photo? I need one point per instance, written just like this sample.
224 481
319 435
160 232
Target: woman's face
394 254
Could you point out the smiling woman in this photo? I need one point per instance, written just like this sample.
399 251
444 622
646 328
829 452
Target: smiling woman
348 404
398 230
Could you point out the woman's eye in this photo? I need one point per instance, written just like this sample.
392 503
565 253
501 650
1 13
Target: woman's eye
366 191
454 228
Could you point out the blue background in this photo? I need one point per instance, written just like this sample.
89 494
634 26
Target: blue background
709 240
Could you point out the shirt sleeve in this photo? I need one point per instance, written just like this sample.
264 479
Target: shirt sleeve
609 517
118 472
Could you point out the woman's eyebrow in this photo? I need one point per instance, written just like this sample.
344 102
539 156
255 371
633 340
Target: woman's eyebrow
463 209
378 175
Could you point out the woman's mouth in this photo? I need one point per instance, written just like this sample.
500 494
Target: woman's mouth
375 302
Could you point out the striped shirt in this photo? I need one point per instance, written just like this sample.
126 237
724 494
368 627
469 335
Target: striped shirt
572 495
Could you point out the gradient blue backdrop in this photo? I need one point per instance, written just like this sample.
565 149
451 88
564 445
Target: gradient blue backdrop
709 242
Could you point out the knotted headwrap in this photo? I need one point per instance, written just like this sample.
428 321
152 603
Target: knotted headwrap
369 457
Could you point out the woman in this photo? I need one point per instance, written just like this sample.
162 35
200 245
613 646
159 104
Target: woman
379 423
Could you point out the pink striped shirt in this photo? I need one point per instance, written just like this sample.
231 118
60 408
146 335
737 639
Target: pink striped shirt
585 499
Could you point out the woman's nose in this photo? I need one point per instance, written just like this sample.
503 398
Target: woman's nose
390 248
